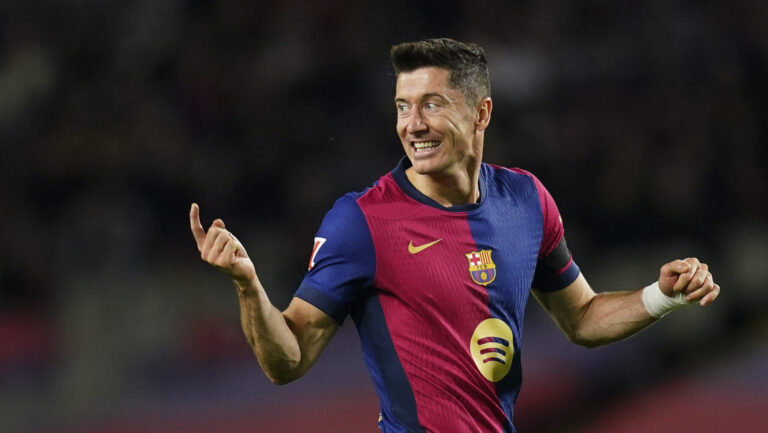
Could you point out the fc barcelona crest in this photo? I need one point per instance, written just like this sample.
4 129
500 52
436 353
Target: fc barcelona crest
481 267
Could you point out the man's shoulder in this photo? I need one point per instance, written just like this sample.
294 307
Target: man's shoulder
383 191
513 172
379 192
511 179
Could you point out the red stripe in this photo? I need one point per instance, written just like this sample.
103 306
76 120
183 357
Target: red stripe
314 251
564 268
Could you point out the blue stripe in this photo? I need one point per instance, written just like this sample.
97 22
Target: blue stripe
398 405
562 280
511 227
493 349
494 340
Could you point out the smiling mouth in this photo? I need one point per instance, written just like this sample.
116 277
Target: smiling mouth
425 146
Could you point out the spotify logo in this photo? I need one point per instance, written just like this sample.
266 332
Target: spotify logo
492 349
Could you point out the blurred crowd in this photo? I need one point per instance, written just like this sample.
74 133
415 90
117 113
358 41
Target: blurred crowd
645 120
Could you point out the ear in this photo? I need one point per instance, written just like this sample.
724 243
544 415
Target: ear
483 114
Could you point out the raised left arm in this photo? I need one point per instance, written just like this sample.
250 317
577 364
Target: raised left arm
591 319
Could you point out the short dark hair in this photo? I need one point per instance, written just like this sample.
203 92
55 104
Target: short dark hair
465 61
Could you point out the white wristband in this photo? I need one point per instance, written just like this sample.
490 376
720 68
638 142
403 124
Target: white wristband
659 304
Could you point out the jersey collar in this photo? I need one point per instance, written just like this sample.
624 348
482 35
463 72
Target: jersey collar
398 173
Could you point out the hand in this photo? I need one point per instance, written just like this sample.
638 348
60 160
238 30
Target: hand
221 249
691 277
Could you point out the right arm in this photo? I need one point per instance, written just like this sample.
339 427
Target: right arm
286 344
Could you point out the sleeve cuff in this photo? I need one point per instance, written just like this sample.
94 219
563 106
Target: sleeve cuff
327 304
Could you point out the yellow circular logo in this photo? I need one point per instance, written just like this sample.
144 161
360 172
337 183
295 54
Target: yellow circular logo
492 348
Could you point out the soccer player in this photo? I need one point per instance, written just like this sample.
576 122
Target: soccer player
435 263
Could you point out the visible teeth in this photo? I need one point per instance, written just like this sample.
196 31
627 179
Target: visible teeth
425 145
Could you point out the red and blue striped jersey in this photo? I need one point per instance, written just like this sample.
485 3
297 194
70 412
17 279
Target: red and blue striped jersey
438 294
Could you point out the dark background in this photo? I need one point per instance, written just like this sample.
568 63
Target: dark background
645 120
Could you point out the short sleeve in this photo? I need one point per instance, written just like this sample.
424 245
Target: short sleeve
555 268
342 264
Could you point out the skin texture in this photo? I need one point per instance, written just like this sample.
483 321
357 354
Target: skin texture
287 343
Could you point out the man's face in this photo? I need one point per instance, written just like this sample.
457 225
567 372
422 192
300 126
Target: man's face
434 122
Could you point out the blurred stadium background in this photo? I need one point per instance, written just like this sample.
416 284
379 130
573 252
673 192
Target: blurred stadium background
646 121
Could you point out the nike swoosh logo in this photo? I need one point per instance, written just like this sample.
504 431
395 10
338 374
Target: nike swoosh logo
414 250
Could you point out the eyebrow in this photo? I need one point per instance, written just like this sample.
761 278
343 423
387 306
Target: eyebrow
427 96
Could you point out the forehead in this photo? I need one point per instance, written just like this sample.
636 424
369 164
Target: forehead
414 84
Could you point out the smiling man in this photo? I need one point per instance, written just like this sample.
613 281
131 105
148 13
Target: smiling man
435 263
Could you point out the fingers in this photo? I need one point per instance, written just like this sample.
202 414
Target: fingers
197 229
209 244
212 255
711 296
698 291
676 267
699 278
214 232
219 247
693 279
685 278
230 250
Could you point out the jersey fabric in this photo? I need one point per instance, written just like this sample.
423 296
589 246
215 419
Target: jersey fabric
438 294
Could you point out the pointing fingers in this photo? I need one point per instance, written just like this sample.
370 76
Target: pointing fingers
197 229
220 248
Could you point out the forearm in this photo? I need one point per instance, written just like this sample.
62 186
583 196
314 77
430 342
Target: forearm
269 335
609 317
593 319
287 343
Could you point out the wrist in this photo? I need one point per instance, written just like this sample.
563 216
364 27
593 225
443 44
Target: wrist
658 304
245 286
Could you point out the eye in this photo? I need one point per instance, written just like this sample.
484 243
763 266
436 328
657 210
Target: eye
430 106
402 108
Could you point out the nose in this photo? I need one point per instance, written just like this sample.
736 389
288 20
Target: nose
415 123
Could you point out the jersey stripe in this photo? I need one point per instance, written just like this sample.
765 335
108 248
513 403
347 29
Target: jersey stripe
398 406
517 224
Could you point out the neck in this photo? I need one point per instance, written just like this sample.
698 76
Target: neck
449 189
